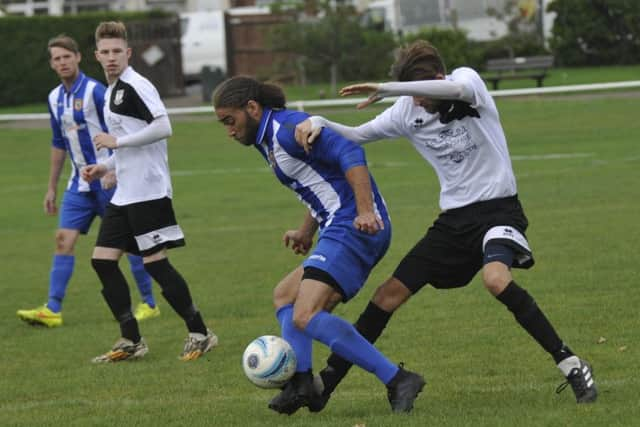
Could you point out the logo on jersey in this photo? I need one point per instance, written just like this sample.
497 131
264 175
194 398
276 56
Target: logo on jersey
320 258
119 97
452 144
419 123
77 104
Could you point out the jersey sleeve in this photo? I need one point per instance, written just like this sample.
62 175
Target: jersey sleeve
474 83
330 148
98 99
57 140
335 148
388 124
150 98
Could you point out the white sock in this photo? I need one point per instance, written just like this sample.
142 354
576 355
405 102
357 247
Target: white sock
568 364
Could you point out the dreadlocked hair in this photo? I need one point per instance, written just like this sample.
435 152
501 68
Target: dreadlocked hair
236 92
418 61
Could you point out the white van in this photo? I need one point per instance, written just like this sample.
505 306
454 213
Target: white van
203 43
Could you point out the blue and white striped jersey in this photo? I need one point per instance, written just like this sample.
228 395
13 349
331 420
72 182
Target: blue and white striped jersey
318 178
76 117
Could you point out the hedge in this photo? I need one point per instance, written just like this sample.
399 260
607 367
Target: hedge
26 76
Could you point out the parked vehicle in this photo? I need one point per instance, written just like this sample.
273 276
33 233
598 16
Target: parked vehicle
203 44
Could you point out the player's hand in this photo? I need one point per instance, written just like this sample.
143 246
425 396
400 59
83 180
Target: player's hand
369 223
300 242
92 172
108 180
371 88
306 133
104 140
50 207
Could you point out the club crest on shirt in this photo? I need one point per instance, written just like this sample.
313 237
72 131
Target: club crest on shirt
117 100
77 104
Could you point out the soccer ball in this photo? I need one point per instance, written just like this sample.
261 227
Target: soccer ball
269 361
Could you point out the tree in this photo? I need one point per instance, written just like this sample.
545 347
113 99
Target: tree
453 45
594 32
329 43
523 21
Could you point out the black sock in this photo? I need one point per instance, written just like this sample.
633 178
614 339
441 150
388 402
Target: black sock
116 293
370 324
563 353
129 330
176 291
531 318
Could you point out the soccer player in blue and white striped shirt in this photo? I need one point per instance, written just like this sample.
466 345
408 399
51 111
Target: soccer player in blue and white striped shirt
344 204
75 108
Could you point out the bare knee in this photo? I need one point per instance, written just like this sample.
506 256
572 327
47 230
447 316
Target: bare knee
391 295
496 276
65 242
301 318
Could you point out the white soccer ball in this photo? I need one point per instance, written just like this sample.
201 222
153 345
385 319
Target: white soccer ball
269 361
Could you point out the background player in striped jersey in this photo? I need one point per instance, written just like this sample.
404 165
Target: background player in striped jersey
355 231
75 108
140 217
453 122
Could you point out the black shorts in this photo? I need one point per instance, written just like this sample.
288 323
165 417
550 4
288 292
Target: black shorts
451 253
140 228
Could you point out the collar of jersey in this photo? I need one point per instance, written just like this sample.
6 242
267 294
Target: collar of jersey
76 84
264 124
125 73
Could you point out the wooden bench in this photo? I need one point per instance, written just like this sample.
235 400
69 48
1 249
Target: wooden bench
529 67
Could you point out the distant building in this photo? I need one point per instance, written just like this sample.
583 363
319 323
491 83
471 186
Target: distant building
470 15
63 7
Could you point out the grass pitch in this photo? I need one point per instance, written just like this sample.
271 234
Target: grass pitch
577 163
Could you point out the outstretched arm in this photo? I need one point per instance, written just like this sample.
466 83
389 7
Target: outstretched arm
434 89
308 130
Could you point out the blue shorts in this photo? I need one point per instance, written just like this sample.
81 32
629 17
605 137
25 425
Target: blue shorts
349 255
80 208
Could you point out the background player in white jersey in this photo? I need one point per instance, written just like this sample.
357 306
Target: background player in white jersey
75 108
140 216
355 231
453 123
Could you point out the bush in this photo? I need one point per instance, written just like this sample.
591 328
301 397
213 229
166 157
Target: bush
454 47
596 32
29 77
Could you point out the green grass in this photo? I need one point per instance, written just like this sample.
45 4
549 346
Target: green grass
482 369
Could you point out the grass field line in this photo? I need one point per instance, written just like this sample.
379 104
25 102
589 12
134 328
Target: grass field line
397 164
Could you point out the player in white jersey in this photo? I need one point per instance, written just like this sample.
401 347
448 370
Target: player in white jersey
140 217
75 108
453 122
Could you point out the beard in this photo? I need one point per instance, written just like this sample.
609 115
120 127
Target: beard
251 130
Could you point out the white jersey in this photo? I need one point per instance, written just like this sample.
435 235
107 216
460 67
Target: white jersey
132 103
469 154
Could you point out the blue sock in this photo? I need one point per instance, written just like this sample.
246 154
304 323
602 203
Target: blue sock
61 272
343 339
301 343
143 280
